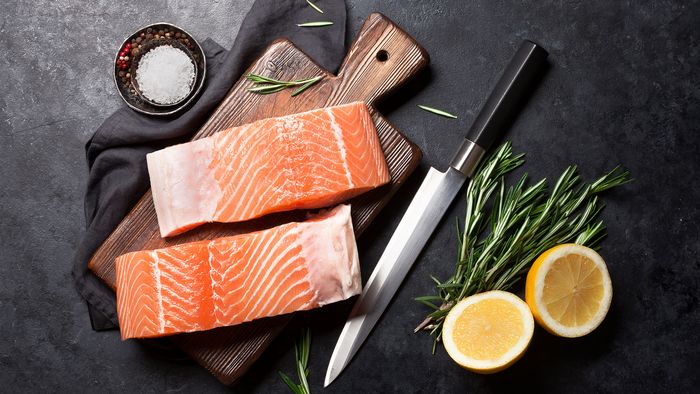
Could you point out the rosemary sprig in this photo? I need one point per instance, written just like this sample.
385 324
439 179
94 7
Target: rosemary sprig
267 85
314 6
506 228
315 24
301 353
437 111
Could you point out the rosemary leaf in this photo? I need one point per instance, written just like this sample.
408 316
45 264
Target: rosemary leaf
315 24
301 353
506 227
429 298
427 303
288 381
437 111
267 85
303 383
263 79
307 85
306 346
314 6
267 89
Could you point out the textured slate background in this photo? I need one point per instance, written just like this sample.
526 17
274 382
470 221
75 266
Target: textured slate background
623 88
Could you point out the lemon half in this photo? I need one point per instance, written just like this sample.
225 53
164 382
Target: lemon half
488 332
568 289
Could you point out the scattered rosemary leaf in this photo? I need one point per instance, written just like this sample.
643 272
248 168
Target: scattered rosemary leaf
314 6
267 85
315 24
437 111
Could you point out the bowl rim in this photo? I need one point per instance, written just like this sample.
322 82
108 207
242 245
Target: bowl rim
176 107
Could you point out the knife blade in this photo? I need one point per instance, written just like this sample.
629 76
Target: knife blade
432 200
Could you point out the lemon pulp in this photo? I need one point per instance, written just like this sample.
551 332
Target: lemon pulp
568 289
488 329
573 290
488 332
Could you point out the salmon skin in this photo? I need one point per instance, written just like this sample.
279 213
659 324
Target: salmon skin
207 284
308 160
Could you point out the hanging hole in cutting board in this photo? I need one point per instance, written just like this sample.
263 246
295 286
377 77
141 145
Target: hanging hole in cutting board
382 55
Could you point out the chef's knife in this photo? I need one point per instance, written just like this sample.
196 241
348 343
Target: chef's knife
432 200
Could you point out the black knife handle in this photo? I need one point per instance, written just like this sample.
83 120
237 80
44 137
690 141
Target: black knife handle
515 84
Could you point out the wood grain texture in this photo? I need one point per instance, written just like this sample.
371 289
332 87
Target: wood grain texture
382 58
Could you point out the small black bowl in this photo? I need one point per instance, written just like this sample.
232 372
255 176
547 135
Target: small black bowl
178 38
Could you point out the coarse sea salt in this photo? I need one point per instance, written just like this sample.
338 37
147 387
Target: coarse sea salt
165 75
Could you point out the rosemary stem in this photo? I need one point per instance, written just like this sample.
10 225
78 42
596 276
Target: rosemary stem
267 85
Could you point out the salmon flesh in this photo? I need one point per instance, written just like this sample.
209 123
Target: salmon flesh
308 160
226 281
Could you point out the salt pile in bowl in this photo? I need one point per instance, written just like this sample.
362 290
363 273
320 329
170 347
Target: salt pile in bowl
165 75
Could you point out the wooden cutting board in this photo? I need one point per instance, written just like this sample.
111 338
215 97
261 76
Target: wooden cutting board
382 58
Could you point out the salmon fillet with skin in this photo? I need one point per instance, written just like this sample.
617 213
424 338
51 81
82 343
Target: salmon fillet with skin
207 284
308 160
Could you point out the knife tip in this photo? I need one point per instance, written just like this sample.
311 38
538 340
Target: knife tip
330 377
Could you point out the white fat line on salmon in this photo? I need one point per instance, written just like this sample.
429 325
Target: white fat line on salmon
290 288
256 170
270 296
159 288
308 305
260 255
211 280
272 265
341 144
238 148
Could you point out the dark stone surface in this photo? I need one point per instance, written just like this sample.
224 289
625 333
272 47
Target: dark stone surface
623 89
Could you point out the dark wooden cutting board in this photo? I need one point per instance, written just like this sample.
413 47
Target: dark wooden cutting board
382 58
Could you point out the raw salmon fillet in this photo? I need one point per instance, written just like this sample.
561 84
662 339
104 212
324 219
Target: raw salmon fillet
203 285
308 160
